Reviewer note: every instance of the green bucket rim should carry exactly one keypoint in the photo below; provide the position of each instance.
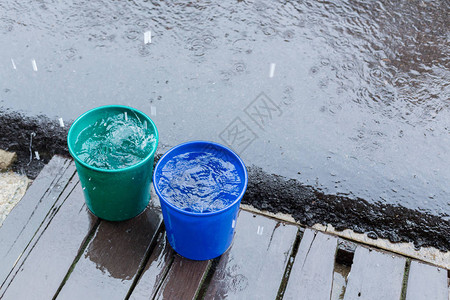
(142, 162)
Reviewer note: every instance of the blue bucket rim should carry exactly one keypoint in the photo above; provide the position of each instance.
(206, 143)
(142, 162)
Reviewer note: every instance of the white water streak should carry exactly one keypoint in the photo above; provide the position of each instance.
(147, 37)
(272, 70)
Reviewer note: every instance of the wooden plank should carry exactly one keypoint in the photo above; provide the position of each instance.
(45, 267)
(109, 264)
(32, 212)
(254, 266)
(426, 282)
(375, 275)
(156, 269)
(312, 272)
(183, 280)
(73, 182)
(164, 272)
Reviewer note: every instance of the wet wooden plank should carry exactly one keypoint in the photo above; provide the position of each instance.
(183, 280)
(73, 182)
(375, 275)
(32, 212)
(156, 269)
(254, 266)
(426, 282)
(312, 272)
(168, 275)
(110, 263)
(44, 268)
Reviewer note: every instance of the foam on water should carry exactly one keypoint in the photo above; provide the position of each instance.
(114, 142)
(199, 182)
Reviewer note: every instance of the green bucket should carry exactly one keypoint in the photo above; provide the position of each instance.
(114, 194)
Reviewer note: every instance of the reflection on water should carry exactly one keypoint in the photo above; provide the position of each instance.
(117, 242)
(363, 85)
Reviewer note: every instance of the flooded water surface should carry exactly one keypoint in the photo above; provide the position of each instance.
(350, 97)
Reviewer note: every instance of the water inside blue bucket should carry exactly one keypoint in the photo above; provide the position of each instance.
(200, 177)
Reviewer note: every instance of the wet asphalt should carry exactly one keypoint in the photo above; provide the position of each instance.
(339, 109)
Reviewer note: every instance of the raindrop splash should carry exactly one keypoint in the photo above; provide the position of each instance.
(199, 182)
(115, 141)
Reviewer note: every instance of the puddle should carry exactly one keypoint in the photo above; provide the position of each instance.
(348, 97)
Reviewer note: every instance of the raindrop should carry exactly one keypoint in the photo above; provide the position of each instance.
(272, 70)
(240, 67)
(288, 99)
(147, 37)
(197, 47)
(269, 31)
(33, 63)
(226, 75)
(348, 65)
(325, 62)
(208, 39)
(376, 73)
(132, 35)
(143, 50)
(340, 90)
(342, 41)
(323, 83)
(70, 53)
(314, 70)
(288, 90)
(141, 24)
(400, 81)
(288, 35)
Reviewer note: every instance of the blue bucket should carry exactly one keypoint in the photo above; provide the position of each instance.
(195, 235)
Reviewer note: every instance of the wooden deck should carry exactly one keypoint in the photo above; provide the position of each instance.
(52, 247)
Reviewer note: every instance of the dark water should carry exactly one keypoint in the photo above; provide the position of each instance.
(351, 97)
